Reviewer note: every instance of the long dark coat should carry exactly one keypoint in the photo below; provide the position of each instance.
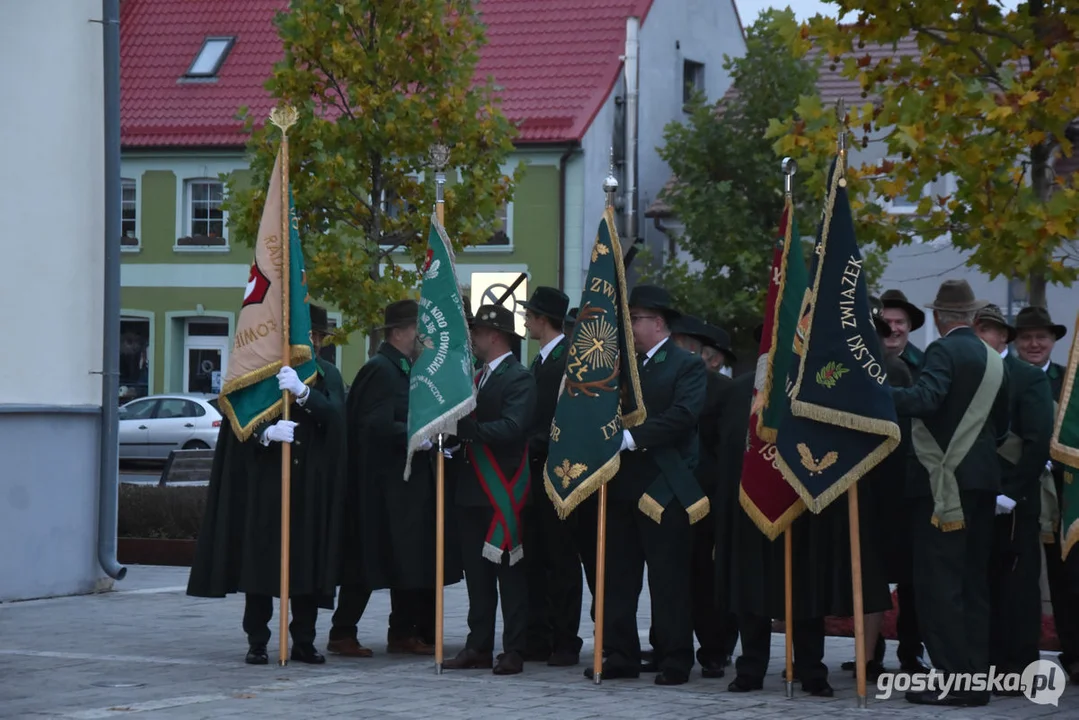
(239, 545)
(389, 536)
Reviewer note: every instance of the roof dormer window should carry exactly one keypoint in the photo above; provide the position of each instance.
(212, 54)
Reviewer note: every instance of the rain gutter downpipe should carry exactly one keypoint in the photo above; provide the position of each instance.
(633, 26)
(108, 472)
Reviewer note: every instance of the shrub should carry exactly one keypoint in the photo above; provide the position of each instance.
(169, 513)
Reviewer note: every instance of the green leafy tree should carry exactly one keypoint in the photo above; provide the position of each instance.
(988, 100)
(377, 83)
(728, 188)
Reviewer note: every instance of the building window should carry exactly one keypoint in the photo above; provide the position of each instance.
(206, 219)
(134, 358)
(692, 79)
(206, 351)
(128, 214)
(501, 238)
(211, 56)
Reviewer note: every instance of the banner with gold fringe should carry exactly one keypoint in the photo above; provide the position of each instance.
(1064, 448)
(250, 395)
(601, 391)
(763, 492)
(842, 421)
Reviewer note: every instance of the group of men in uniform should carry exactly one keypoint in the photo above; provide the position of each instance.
(956, 516)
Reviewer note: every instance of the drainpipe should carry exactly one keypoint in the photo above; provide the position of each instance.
(562, 217)
(109, 471)
(633, 26)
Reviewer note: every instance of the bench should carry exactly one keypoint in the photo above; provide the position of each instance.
(187, 466)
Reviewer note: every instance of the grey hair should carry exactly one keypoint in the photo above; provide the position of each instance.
(949, 318)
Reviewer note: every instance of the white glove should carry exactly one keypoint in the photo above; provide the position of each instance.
(627, 442)
(1049, 465)
(287, 379)
(280, 431)
(1004, 504)
(426, 444)
(448, 452)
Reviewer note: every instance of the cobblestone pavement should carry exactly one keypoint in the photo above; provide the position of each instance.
(148, 650)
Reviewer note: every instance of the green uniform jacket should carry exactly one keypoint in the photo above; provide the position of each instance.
(389, 534)
(239, 546)
(1031, 412)
(944, 389)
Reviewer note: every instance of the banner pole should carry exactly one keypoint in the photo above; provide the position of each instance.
(439, 157)
(852, 493)
(284, 118)
(789, 169)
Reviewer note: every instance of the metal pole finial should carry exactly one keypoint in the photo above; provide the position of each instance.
(439, 155)
(841, 139)
(790, 167)
(610, 183)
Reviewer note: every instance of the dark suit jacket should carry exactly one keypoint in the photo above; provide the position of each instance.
(673, 385)
(954, 366)
(708, 467)
(504, 412)
(1055, 373)
(914, 358)
(1031, 411)
(548, 375)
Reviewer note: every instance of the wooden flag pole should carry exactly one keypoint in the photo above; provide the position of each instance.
(439, 157)
(789, 169)
(610, 186)
(852, 493)
(284, 118)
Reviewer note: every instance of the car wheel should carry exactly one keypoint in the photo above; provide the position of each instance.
(196, 445)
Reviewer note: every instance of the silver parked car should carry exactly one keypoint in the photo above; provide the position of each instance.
(152, 427)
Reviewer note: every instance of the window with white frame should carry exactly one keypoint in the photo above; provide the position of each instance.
(502, 235)
(128, 214)
(940, 186)
(206, 220)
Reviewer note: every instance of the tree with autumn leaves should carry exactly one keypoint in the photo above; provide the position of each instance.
(991, 99)
(377, 83)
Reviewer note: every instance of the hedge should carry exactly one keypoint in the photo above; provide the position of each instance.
(168, 513)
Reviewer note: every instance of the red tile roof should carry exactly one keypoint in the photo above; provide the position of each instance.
(555, 60)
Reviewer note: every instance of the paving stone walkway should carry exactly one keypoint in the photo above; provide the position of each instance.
(146, 650)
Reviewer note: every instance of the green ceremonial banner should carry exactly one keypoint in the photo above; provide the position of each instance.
(1064, 448)
(601, 392)
(249, 394)
(440, 390)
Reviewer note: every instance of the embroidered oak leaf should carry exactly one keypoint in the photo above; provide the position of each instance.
(568, 473)
(661, 356)
(598, 250)
(831, 373)
(814, 466)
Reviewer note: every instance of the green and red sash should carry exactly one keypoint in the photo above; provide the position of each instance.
(507, 498)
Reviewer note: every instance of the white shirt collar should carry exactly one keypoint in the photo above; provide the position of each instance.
(1004, 352)
(496, 362)
(655, 349)
(546, 349)
(1045, 367)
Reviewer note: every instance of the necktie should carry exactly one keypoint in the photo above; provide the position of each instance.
(486, 373)
(537, 361)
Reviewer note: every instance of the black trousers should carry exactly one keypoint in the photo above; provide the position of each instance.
(1065, 599)
(951, 583)
(908, 634)
(487, 583)
(412, 613)
(258, 611)
(1014, 589)
(633, 539)
(555, 586)
(584, 539)
(717, 633)
(756, 634)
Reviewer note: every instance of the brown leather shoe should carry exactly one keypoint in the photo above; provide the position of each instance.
(408, 646)
(470, 660)
(349, 647)
(510, 663)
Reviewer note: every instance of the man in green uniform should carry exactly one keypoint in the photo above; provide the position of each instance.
(1016, 562)
(959, 410)
(492, 490)
(903, 317)
(554, 566)
(654, 499)
(717, 633)
(239, 546)
(1036, 336)
(389, 541)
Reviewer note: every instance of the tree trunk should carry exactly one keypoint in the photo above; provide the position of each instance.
(1036, 285)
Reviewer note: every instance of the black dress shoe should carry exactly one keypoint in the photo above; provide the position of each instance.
(958, 699)
(849, 665)
(743, 684)
(307, 653)
(712, 669)
(256, 655)
(671, 677)
(818, 688)
(510, 663)
(563, 658)
(913, 666)
(649, 666)
(614, 672)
